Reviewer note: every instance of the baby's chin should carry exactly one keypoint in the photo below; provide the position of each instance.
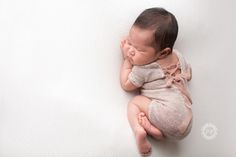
(137, 64)
(133, 62)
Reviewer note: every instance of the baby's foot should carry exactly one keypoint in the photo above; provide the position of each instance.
(143, 145)
(151, 130)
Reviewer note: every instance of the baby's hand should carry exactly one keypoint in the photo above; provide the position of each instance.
(124, 48)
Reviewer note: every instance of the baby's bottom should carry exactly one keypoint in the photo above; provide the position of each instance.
(140, 124)
(174, 120)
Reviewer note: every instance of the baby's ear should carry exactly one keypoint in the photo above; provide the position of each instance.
(165, 52)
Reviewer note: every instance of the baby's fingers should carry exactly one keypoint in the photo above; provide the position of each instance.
(122, 43)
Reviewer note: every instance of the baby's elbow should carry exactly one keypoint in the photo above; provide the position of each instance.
(124, 87)
(128, 87)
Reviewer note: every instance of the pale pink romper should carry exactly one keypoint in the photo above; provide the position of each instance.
(170, 108)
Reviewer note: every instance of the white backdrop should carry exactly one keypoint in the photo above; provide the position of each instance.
(59, 77)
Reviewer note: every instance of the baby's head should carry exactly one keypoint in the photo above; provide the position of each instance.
(152, 36)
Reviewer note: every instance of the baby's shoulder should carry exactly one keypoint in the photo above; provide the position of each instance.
(152, 71)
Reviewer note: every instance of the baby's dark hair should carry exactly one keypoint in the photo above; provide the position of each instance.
(163, 23)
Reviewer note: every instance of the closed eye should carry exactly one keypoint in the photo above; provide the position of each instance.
(138, 49)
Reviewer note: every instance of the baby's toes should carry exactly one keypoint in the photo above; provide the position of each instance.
(141, 120)
(140, 117)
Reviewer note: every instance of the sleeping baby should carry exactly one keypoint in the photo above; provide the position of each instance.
(163, 108)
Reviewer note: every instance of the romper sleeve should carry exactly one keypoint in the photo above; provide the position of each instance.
(136, 76)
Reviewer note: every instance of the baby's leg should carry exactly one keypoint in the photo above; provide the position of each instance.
(136, 105)
(151, 130)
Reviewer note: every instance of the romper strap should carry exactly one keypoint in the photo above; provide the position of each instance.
(177, 79)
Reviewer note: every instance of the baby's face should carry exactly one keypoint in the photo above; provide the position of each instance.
(141, 50)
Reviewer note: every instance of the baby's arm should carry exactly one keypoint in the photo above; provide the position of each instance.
(124, 73)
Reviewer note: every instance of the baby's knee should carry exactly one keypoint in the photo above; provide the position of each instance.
(140, 102)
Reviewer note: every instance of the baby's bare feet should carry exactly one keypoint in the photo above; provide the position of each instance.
(144, 146)
(151, 130)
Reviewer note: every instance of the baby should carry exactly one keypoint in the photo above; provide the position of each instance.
(163, 108)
